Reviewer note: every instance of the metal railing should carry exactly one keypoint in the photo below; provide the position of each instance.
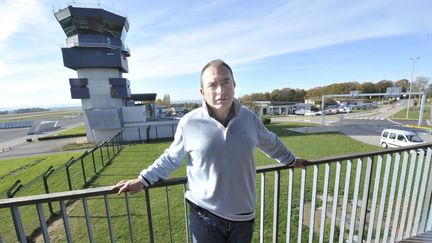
(80, 172)
(383, 196)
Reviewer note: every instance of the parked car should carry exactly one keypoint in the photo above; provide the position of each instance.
(394, 138)
(344, 109)
(299, 112)
(310, 113)
(326, 112)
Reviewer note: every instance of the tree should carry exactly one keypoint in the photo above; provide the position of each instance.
(158, 102)
(166, 100)
(382, 85)
(421, 84)
(368, 87)
(404, 84)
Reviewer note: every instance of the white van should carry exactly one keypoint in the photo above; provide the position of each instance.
(393, 138)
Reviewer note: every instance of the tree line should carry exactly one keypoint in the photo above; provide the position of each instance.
(287, 94)
(23, 110)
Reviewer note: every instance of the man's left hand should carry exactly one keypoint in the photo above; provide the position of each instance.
(299, 163)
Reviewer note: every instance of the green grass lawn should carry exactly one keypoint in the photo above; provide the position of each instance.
(133, 158)
(413, 114)
(34, 166)
(73, 131)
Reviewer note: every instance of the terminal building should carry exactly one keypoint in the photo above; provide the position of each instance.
(95, 49)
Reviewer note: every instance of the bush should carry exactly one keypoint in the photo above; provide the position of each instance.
(266, 120)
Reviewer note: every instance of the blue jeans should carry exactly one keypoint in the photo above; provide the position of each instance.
(209, 228)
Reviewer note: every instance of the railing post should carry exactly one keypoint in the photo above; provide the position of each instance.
(139, 135)
(129, 217)
(262, 208)
(45, 181)
(65, 221)
(113, 146)
(301, 210)
(313, 203)
(42, 222)
(107, 210)
(276, 206)
(68, 164)
(107, 149)
(14, 189)
(186, 214)
(427, 199)
(94, 162)
(83, 169)
(88, 222)
(102, 157)
(19, 229)
(148, 134)
(149, 214)
(365, 200)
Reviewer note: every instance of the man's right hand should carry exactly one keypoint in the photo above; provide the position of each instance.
(131, 186)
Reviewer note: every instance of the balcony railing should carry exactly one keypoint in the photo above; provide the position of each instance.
(381, 196)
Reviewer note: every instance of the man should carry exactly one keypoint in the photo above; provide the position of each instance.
(220, 138)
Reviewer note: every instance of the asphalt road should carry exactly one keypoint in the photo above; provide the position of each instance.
(13, 142)
(365, 126)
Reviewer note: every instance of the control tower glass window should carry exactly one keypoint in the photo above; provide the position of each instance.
(91, 25)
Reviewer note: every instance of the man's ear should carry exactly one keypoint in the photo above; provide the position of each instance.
(201, 91)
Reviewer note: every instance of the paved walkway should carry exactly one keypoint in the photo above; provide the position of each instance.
(19, 146)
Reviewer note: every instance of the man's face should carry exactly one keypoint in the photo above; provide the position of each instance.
(218, 87)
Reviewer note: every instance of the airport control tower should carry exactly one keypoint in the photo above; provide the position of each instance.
(95, 49)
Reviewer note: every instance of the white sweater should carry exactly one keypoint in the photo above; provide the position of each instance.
(221, 168)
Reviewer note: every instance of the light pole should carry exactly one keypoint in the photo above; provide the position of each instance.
(410, 84)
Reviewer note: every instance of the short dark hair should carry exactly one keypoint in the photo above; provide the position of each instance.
(216, 63)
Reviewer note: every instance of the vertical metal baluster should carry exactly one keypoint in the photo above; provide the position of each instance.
(42, 222)
(19, 229)
(345, 201)
(365, 199)
(107, 210)
(384, 194)
(276, 206)
(66, 222)
(289, 206)
(149, 215)
(88, 222)
(169, 213)
(414, 196)
(186, 214)
(129, 217)
(313, 203)
(262, 207)
(301, 213)
(428, 193)
(355, 200)
(374, 198)
(399, 198)
(324, 202)
(407, 195)
(335, 202)
(389, 214)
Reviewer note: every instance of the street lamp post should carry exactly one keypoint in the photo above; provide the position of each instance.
(410, 85)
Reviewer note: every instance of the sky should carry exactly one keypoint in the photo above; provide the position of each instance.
(270, 44)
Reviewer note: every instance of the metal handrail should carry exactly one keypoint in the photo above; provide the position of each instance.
(98, 191)
(410, 166)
